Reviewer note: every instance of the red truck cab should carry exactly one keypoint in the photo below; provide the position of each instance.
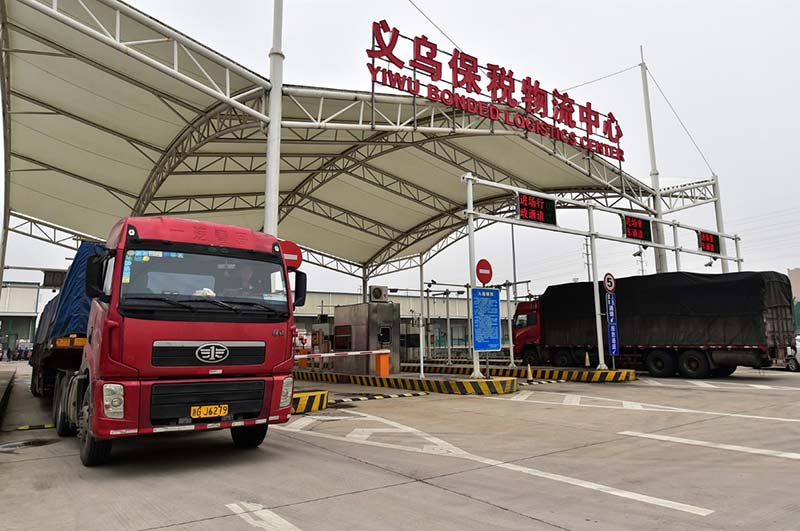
(191, 328)
(528, 331)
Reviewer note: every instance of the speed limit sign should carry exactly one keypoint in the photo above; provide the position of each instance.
(610, 283)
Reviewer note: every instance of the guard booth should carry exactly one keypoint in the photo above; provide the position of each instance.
(366, 326)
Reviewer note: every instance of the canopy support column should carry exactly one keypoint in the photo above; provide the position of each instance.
(720, 222)
(658, 228)
(598, 320)
(272, 184)
(364, 286)
(421, 316)
(468, 178)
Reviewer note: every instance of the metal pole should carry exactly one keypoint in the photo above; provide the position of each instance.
(720, 222)
(428, 346)
(658, 229)
(272, 186)
(510, 326)
(364, 286)
(449, 338)
(598, 321)
(473, 280)
(677, 248)
(739, 260)
(514, 261)
(421, 318)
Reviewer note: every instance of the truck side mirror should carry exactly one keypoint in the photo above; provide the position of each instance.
(300, 282)
(95, 271)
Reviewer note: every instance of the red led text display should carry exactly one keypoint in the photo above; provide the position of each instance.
(458, 80)
(638, 229)
(532, 208)
(708, 242)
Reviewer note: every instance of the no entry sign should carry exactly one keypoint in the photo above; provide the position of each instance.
(483, 270)
(292, 255)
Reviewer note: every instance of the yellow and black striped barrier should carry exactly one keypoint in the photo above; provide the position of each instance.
(491, 386)
(548, 373)
(308, 401)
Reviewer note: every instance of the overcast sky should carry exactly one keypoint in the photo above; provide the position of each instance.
(728, 67)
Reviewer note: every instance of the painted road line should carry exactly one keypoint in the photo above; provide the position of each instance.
(255, 515)
(571, 400)
(718, 446)
(437, 446)
(702, 384)
(522, 395)
(634, 406)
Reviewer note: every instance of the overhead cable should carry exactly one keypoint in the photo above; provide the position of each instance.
(601, 78)
(435, 25)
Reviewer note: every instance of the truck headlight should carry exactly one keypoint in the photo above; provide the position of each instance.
(286, 392)
(113, 401)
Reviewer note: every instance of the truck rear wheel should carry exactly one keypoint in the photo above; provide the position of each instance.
(660, 364)
(93, 451)
(60, 419)
(562, 358)
(248, 436)
(694, 364)
(723, 371)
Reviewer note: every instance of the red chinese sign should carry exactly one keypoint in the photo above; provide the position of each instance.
(522, 104)
(638, 229)
(532, 208)
(708, 242)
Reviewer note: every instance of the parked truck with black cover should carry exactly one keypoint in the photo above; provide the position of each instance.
(698, 325)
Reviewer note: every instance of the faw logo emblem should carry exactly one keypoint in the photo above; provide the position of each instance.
(212, 353)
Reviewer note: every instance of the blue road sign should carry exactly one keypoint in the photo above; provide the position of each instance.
(611, 317)
(486, 319)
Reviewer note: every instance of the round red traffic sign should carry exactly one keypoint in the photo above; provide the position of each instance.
(609, 282)
(292, 255)
(483, 270)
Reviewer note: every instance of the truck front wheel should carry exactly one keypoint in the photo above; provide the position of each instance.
(660, 364)
(248, 436)
(694, 364)
(93, 451)
(530, 356)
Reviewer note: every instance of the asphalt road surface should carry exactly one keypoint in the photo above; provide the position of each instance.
(654, 454)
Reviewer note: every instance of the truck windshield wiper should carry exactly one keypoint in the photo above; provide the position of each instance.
(212, 301)
(173, 302)
(262, 306)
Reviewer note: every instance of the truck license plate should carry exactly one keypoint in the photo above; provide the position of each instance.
(216, 410)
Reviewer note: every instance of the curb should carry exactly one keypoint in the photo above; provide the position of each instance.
(372, 397)
(572, 375)
(308, 401)
(6, 396)
(541, 382)
(493, 386)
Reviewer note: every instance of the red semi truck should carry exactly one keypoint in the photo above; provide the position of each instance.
(190, 327)
(698, 325)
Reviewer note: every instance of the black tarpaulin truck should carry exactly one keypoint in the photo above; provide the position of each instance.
(699, 325)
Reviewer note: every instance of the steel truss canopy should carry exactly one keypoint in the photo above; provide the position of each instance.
(109, 112)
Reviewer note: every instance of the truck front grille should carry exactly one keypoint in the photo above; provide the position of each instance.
(191, 353)
(173, 401)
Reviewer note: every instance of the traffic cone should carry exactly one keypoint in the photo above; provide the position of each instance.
(586, 360)
(530, 374)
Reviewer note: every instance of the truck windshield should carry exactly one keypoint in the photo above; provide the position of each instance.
(203, 282)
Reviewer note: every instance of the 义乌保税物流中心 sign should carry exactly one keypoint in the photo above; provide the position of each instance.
(596, 131)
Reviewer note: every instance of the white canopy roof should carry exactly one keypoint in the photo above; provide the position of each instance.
(109, 112)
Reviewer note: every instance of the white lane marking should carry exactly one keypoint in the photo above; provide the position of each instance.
(571, 400)
(650, 381)
(719, 446)
(644, 407)
(702, 384)
(301, 423)
(522, 395)
(727, 385)
(362, 434)
(631, 405)
(445, 449)
(255, 515)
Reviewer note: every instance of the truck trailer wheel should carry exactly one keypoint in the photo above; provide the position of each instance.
(694, 364)
(723, 371)
(793, 365)
(60, 419)
(93, 451)
(562, 358)
(248, 436)
(660, 364)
